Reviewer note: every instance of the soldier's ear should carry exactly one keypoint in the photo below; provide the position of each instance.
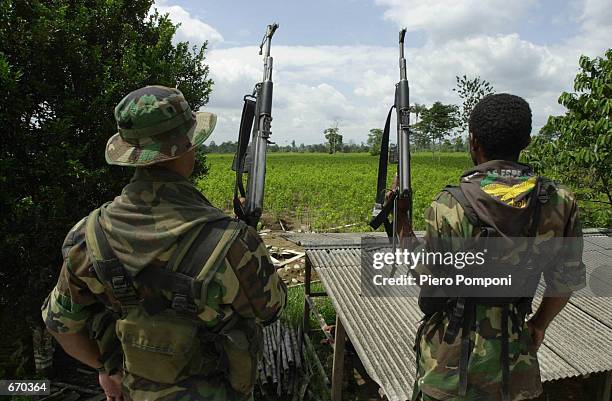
(473, 142)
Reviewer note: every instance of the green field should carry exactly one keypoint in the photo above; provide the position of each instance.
(323, 191)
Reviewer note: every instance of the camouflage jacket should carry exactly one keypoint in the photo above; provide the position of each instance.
(143, 226)
(437, 373)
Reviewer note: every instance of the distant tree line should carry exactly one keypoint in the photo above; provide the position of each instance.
(350, 147)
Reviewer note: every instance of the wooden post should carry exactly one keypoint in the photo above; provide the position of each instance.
(606, 388)
(338, 363)
(307, 278)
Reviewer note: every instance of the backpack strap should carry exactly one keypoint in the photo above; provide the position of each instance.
(457, 193)
(194, 268)
(107, 267)
(202, 251)
(463, 312)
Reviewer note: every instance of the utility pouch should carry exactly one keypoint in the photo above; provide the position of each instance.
(242, 349)
(164, 350)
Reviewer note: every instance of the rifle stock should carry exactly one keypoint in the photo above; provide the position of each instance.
(256, 114)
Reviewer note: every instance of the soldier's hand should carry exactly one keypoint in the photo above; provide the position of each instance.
(111, 386)
(394, 186)
(537, 334)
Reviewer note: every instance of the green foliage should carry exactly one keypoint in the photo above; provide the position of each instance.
(576, 148)
(334, 139)
(419, 140)
(294, 311)
(418, 110)
(459, 145)
(375, 141)
(436, 123)
(64, 65)
(470, 91)
(322, 191)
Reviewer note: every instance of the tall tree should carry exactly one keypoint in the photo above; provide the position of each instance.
(437, 122)
(576, 148)
(64, 66)
(470, 92)
(334, 139)
(417, 109)
(375, 141)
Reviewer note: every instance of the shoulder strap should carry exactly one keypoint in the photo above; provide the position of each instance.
(206, 251)
(202, 247)
(457, 193)
(109, 270)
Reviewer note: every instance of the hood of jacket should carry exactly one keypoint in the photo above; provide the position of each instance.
(503, 194)
(153, 212)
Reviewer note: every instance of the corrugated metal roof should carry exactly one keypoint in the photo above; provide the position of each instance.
(382, 329)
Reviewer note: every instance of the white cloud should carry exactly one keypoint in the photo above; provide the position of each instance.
(355, 84)
(316, 85)
(192, 29)
(443, 20)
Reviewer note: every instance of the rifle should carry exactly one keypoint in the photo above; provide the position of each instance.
(252, 159)
(400, 198)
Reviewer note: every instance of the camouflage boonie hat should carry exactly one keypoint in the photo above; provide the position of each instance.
(156, 124)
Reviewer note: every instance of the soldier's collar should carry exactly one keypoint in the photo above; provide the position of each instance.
(504, 168)
(156, 173)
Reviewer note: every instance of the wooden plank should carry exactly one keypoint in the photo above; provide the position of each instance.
(293, 259)
(338, 363)
(307, 279)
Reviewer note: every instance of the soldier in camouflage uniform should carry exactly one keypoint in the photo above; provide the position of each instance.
(499, 189)
(195, 341)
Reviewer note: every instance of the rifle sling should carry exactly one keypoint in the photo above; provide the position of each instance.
(244, 135)
(383, 161)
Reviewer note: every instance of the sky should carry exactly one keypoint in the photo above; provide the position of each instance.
(337, 60)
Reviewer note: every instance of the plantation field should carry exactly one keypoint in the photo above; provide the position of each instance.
(322, 191)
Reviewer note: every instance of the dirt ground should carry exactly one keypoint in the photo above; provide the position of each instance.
(292, 273)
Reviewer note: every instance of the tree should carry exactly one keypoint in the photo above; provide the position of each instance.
(576, 148)
(334, 139)
(437, 122)
(64, 66)
(418, 139)
(417, 109)
(459, 145)
(470, 91)
(375, 141)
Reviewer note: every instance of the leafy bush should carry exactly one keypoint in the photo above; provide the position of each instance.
(576, 148)
(64, 65)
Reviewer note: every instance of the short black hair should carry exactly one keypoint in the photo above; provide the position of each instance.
(502, 125)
